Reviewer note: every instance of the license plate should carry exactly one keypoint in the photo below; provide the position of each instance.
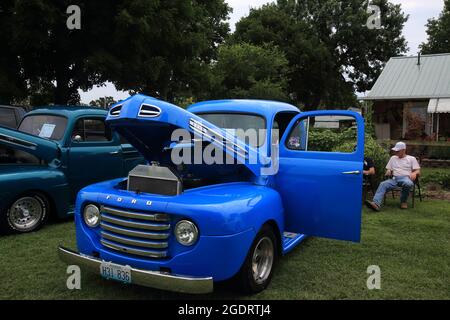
(116, 272)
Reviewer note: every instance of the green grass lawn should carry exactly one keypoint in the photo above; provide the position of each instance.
(411, 247)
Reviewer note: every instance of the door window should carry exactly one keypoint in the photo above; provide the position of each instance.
(334, 133)
(91, 130)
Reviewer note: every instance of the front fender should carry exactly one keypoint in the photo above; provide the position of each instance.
(17, 180)
(228, 217)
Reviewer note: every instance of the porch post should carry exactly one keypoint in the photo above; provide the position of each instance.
(437, 128)
(432, 124)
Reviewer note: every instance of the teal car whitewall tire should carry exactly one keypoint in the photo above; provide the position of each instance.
(27, 213)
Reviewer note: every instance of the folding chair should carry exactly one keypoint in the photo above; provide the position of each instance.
(413, 192)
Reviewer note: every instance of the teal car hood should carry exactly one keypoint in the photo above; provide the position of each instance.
(42, 148)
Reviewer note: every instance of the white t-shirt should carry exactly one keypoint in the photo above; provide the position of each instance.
(402, 167)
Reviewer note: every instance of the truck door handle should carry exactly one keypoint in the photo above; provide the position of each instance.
(352, 172)
(113, 153)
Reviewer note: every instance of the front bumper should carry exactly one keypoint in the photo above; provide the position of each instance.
(153, 279)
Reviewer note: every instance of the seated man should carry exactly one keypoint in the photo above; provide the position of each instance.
(369, 167)
(404, 170)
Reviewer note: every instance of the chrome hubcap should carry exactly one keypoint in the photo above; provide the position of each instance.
(262, 260)
(25, 213)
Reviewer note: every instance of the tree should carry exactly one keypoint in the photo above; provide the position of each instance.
(331, 51)
(438, 31)
(161, 48)
(12, 83)
(248, 71)
(56, 61)
(103, 102)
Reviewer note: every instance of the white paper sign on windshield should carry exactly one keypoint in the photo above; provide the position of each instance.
(47, 130)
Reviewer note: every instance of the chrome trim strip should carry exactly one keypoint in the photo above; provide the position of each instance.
(129, 250)
(352, 172)
(153, 279)
(13, 140)
(147, 113)
(135, 233)
(136, 225)
(133, 242)
(134, 215)
(200, 129)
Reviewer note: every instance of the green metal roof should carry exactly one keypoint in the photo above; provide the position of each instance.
(403, 78)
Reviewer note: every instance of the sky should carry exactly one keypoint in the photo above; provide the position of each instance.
(419, 12)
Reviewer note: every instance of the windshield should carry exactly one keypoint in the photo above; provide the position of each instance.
(249, 128)
(45, 126)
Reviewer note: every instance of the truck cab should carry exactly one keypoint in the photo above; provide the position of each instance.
(53, 154)
(230, 187)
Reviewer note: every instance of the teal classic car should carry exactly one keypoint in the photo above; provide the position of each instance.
(54, 153)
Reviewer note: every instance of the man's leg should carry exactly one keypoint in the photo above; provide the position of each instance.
(384, 187)
(407, 184)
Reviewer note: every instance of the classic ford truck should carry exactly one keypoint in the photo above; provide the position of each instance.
(55, 152)
(182, 225)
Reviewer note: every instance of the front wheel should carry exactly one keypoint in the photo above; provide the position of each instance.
(28, 213)
(257, 270)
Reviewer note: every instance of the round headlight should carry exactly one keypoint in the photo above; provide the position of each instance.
(91, 215)
(186, 233)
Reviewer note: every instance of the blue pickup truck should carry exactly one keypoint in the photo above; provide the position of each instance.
(54, 153)
(182, 225)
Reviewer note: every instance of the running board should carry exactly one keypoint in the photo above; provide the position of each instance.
(291, 240)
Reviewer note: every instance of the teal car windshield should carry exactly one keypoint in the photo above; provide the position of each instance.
(239, 121)
(45, 126)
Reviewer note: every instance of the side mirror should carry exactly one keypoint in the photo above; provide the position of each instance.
(77, 138)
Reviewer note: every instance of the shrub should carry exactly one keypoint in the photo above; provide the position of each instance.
(441, 178)
(438, 152)
(368, 118)
(327, 140)
(323, 140)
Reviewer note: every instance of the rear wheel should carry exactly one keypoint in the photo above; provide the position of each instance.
(257, 270)
(26, 214)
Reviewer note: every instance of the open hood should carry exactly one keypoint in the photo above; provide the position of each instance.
(148, 123)
(42, 148)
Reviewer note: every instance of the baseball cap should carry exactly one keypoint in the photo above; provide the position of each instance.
(399, 146)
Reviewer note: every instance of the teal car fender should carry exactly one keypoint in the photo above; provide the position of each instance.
(52, 183)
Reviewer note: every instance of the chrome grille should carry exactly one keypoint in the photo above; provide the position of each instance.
(135, 233)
